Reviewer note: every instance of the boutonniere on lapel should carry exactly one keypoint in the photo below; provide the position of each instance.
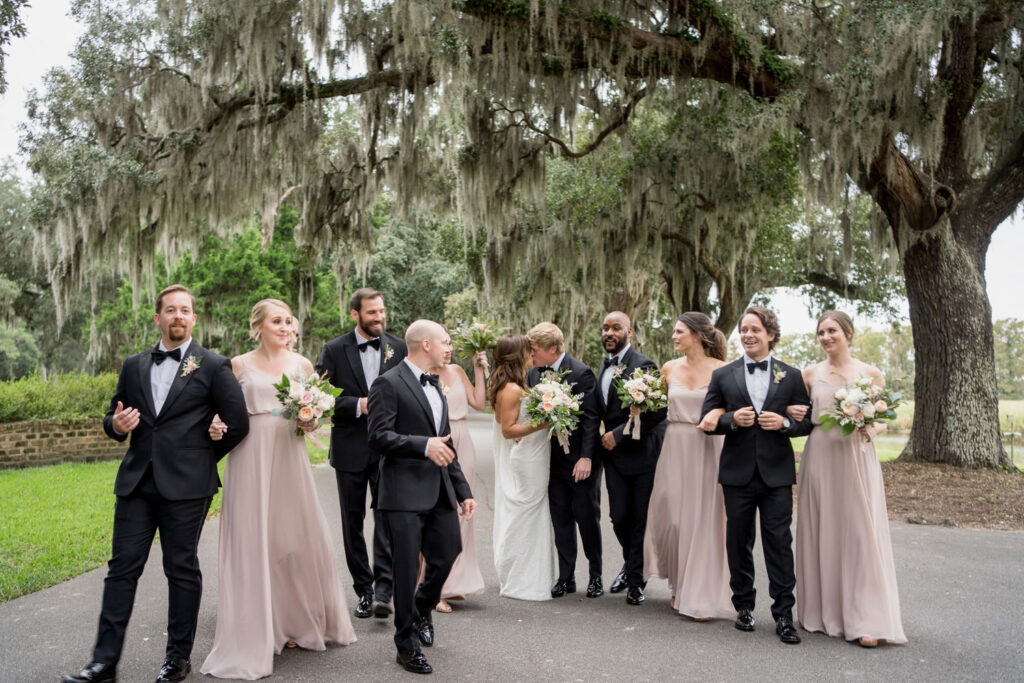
(389, 353)
(443, 387)
(190, 365)
(618, 371)
(779, 373)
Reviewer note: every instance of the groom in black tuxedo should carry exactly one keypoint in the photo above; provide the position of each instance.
(574, 487)
(165, 399)
(421, 487)
(352, 362)
(757, 470)
(629, 462)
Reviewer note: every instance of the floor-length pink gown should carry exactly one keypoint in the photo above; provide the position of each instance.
(845, 574)
(465, 577)
(685, 537)
(277, 579)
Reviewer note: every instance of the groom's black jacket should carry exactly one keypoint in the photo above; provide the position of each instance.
(631, 456)
(583, 438)
(401, 422)
(744, 446)
(177, 442)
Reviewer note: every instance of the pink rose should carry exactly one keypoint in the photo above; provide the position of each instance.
(638, 396)
(306, 414)
(547, 406)
(318, 411)
(880, 406)
(306, 398)
(850, 409)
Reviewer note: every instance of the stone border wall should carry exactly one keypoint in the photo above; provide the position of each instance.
(47, 442)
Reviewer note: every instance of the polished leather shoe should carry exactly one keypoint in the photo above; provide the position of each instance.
(95, 672)
(787, 632)
(619, 584)
(562, 587)
(381, 608)
(595, 588)
(635, 595)
(414, 662)
(174, 669)
(424, 631)
(744, 620)
(365, 607)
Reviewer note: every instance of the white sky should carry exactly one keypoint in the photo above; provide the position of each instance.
(51, 35)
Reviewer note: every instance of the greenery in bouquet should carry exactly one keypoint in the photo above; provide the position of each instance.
(469, 340)
(306, 399)
(551, 401)
(644, 390)
(859, 404)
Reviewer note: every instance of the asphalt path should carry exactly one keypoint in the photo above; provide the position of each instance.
(962, 595)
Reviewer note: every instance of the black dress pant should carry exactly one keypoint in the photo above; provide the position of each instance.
(628, 498)
(775, 506)
(352, 487)
(137, 518)
(576, 504)
(435, 534)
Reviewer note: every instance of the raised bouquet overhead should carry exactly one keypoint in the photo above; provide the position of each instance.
(478, 337)
(305, 399)
(859, 404)
(553, 402)
(644, 389)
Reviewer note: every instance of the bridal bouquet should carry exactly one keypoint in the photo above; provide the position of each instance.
(306, 399)
(470, 340)
(644, 389)
(855, 406)
(552, 401)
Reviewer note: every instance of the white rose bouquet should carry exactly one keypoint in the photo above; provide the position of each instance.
(645, 391)
(552, 401)
(306, 399)
(857, 405)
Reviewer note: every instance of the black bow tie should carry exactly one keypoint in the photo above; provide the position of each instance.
(763, 365)
(375, 343)
(160, 356)
(544, 368)
(428, 377)
(608, 362)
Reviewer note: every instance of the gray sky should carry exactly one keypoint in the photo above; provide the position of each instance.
(51, 34)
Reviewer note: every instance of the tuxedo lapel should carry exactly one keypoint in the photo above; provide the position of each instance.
(384, 346)
(352, 353)
(405, 372)
(179, 382)
(145, 384)
(773, 386)
(741, 382)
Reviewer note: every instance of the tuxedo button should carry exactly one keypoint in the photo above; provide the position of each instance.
(156, 429)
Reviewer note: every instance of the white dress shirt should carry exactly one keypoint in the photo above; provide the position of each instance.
(161, 377)
(370, 359)
(757, 381)
(433, 396)
(609, 372)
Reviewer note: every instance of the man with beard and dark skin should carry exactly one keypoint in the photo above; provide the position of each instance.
(422, 488)
(165, 399)
(352, 362)
(757, 470)
(574, 487)
(629, 462)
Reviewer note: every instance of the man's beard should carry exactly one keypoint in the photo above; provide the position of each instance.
(619, 345)
(374, 328)
(177, 333)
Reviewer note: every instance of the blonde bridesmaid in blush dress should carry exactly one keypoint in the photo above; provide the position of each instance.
(846, 576)
(277, 583)
(685, 537)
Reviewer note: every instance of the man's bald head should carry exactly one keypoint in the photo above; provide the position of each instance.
(616, 331)
(427, 343)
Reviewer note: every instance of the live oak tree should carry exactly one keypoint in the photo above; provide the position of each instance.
(179, 117)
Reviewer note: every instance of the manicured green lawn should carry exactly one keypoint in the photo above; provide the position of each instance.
(56, 522)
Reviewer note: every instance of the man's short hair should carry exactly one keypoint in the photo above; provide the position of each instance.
(769, 321)
(356, 302)
(170, 290)
(546, 336)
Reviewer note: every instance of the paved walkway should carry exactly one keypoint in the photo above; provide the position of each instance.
(962, 594)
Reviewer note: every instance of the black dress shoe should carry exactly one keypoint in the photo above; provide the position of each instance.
(95, 672)
(414, 662)
(562, 587)
(619, 584)
(424, 631)
(595, 588)
(174, 669)
(744, 620)
(787, 632)
(363, 609)
(381, 608)
(635, 595)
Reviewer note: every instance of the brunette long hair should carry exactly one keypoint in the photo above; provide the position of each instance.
(711, 338)
(509, 364)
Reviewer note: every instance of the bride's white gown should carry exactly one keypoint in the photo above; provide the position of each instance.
(524, 540)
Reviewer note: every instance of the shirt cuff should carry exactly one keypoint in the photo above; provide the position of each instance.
(358, 408)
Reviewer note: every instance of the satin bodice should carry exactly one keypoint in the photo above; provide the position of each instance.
(458, 402)
(258, 389)
(684, 405)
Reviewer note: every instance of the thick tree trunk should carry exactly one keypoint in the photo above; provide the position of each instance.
(956, 413)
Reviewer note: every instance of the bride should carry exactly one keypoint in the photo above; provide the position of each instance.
(524, 542)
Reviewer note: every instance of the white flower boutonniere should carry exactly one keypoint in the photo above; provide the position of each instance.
(190, 365)
(779, 375)
(389, 353)
(443, 387)
(618, 371)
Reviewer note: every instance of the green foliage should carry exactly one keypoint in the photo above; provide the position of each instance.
(59, 397)
(19, 353)
(1009, 356)
(11, 26)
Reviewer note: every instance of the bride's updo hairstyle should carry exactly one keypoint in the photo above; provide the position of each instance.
(711, 338)
(510, 356)
(844, 321)
(259, 314)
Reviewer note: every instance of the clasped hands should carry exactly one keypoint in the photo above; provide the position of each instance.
(747, 416)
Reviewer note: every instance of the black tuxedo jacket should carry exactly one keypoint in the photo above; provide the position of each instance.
(340, 360)
(582, 440)
(400, 424)
(177, 442)
(744, 447)
(630, 456)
